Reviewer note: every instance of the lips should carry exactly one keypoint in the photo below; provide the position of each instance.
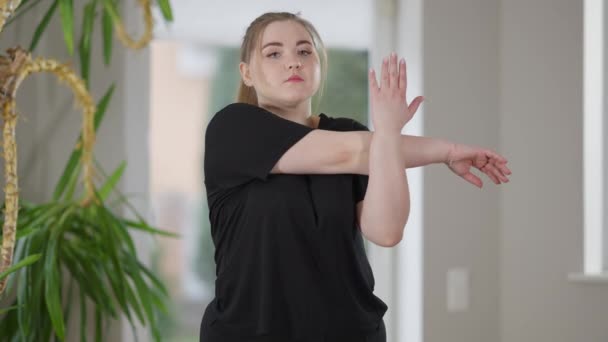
(295, 78)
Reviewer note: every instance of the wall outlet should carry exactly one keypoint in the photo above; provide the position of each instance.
(458, 286)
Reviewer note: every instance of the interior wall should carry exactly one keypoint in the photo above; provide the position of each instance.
(461, 221)
(542, 213)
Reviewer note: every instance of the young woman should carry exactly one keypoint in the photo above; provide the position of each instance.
(291, 194)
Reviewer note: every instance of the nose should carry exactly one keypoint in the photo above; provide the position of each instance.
(295, 64)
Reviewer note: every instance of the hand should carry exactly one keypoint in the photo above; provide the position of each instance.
(390, 111)
(461, 158)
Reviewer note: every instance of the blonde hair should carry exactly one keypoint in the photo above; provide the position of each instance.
(252, 40)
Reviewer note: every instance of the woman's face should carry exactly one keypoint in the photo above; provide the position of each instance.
(286, 50)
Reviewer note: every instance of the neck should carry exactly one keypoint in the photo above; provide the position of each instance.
(300, 113)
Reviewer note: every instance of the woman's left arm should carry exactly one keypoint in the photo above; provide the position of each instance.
(421, 151)
(383, 213)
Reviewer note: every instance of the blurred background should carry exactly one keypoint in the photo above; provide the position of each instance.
(525, 261)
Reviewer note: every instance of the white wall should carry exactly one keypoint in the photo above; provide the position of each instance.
(542, 215)
(197, 21)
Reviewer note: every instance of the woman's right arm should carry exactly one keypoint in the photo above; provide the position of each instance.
(348, 152)
(319, 152)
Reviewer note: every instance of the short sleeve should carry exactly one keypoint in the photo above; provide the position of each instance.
(243, 142)
(359, 181)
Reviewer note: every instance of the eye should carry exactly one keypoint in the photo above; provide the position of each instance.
(305, 52)
(272, 54)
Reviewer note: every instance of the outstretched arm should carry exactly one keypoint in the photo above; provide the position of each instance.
(421, 151)
(416, 150)
(383, 213)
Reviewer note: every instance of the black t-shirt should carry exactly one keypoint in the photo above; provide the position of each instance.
(289, 254)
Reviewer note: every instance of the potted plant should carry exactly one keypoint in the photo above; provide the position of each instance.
(76, 248)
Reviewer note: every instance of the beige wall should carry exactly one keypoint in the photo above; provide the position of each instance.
(461, 222)
(542, 214)
(508, 75)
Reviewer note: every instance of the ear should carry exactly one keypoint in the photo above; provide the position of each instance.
(245, 73)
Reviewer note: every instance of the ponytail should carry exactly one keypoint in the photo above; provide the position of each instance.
(246, 94)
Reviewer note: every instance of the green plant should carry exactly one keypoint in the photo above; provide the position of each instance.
(75, 249)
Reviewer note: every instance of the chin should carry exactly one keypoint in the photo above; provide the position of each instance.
(299, 95)
(295, 99)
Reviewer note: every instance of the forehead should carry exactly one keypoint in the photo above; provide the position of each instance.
(287, 32)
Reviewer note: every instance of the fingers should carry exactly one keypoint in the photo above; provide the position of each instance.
(402, 77)
(497, 165)
(503, 168)
(413, 107)
(496, 156)
(373, 82)
(393, 72)
(493, 165)
(492, 168)
(471, 178)
(384, 75)
(494, 173)
(488, 171)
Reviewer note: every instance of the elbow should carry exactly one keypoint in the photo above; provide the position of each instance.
(386, 237)
(391, 240)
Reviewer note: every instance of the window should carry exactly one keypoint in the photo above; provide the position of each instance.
(594, 134)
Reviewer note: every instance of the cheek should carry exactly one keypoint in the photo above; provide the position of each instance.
(269, 75)
(317, 76)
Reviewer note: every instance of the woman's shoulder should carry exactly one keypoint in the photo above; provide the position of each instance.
(236, 113)
(341, 123)
(237, 108)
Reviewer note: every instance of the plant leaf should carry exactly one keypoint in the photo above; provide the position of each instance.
(51, 290)
(107, 188)
(142, 225)
(153, 278)
(68, 304)
(52, 279)
(23, 290)
(165, 8)
(132, 298)
(34, 288)
(88, 19)
(74, 160)
(120, 229)
(71, 187)
(98, 325)
(42, 25)
(66, 11)
(6, 310)
(111, 10)
(82, 268)
(44, 216)
(108, 32)
(23, 263)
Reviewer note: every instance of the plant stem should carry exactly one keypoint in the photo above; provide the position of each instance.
(18, 14)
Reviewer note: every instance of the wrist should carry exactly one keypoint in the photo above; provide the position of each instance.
(387, 134)
(448, 152)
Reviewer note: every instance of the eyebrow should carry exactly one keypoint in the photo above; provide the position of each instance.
(281, 44)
